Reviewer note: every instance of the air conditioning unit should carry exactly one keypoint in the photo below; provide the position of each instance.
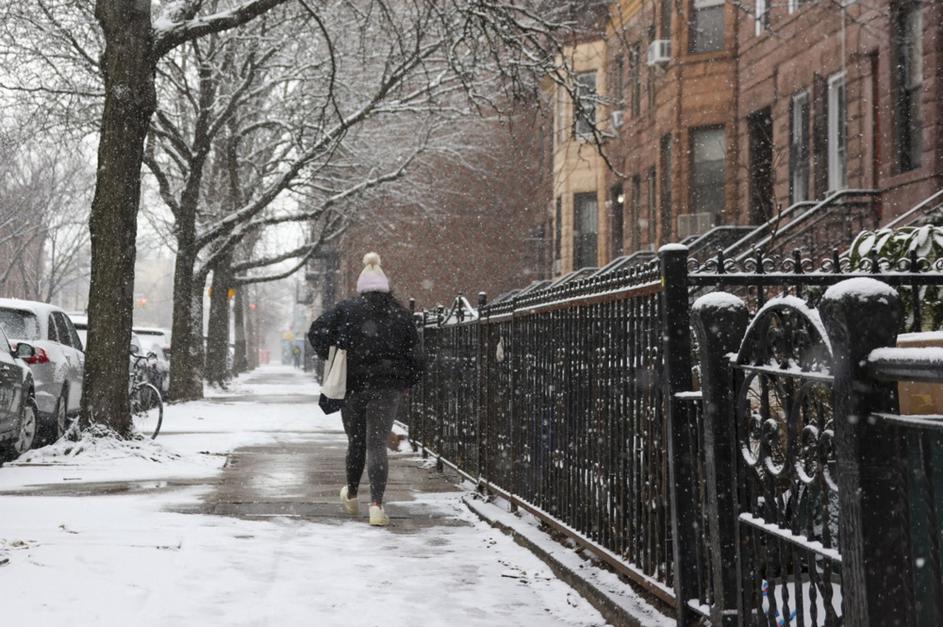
(694, 224)
(659, 52)
(618, 118)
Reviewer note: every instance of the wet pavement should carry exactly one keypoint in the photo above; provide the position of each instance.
(298, 476)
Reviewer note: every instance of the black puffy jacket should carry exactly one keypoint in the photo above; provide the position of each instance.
(380, 338)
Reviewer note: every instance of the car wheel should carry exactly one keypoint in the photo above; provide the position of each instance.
(26, 435)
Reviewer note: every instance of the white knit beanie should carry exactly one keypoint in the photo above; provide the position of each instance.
(372, 278)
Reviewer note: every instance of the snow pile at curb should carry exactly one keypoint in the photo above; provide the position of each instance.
(99, 444)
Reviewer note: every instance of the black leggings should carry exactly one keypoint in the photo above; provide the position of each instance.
(368, 417)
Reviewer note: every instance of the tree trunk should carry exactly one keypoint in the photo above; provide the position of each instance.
(182, 339)
(217, 334)
(241, 360)
(198, 346)
(130, 100)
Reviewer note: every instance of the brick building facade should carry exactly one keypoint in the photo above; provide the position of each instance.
(723, 112)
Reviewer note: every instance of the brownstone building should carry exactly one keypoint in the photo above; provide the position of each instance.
(726, 112)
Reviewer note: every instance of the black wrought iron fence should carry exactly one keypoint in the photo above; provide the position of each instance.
(720, 493)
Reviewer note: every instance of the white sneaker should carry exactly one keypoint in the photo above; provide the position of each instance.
(378, 517)
(351, 505)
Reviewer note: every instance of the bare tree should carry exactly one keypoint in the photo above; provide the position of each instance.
(368, 59)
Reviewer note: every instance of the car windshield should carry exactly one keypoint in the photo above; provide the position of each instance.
(19, 324)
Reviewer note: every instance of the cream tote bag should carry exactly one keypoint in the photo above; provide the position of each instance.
(334, 381)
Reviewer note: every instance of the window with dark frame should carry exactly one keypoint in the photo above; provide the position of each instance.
(617, 222)
(708, 153)
(652, 206)
(636, 216)
(799, 147)
(907, 40)
(635, 78)
(665, 23)
(585, 230)
(651, 92)
(558, 230)
(617, 83)
(664, 159)
(587, 95)
(706, 26)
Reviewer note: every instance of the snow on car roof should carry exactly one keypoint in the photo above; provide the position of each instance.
(37, 308)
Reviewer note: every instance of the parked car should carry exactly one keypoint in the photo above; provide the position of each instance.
(57, 364)
(153, 337)
(156, 342)
(17, 399)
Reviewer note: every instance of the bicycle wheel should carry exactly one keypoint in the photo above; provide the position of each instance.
(147, 408)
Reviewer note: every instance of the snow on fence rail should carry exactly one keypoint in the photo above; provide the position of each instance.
(577, 401)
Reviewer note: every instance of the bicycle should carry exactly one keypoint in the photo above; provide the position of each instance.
(144, 395)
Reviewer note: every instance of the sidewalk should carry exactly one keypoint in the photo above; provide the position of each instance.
(232, 519)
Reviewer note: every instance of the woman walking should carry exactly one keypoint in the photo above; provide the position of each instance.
(383, 361)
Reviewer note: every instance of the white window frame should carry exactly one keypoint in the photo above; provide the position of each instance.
(837, 153)
(761, 16)
(800, 100)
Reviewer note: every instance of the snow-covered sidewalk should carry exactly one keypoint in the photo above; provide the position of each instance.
(116, 535)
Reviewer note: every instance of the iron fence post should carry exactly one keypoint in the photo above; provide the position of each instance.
(861, 315)
(682, 449)
(719, 326)
(481, 375)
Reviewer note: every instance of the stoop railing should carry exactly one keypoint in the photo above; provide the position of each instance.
(710, 467)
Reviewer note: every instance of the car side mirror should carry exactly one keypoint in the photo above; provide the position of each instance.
(24, 351)
(135, 350)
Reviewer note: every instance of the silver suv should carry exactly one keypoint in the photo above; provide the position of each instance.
(58, 362)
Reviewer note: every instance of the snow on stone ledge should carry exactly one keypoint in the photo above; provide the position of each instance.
(668, 248)
(859, 286)
(718, 300)
(923, 357)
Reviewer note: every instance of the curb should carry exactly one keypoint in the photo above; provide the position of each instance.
(621, 607)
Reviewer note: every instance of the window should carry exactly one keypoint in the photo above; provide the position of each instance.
(4, 343)
(795, 4)
(558, 229)
(585, 230)
(62, 330)
(666, 9)
(561, 115)
(52, 332)
(635, 78)
(761, 17)
(837, 139)
(651, 92)
(799, 148)
(706, 26)
(19, 324)
(908, 52)
(617, 223)
(636, 216)
(650, 221)
(708, 151)
(617, 83)
(586, 93)
(665, 164)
